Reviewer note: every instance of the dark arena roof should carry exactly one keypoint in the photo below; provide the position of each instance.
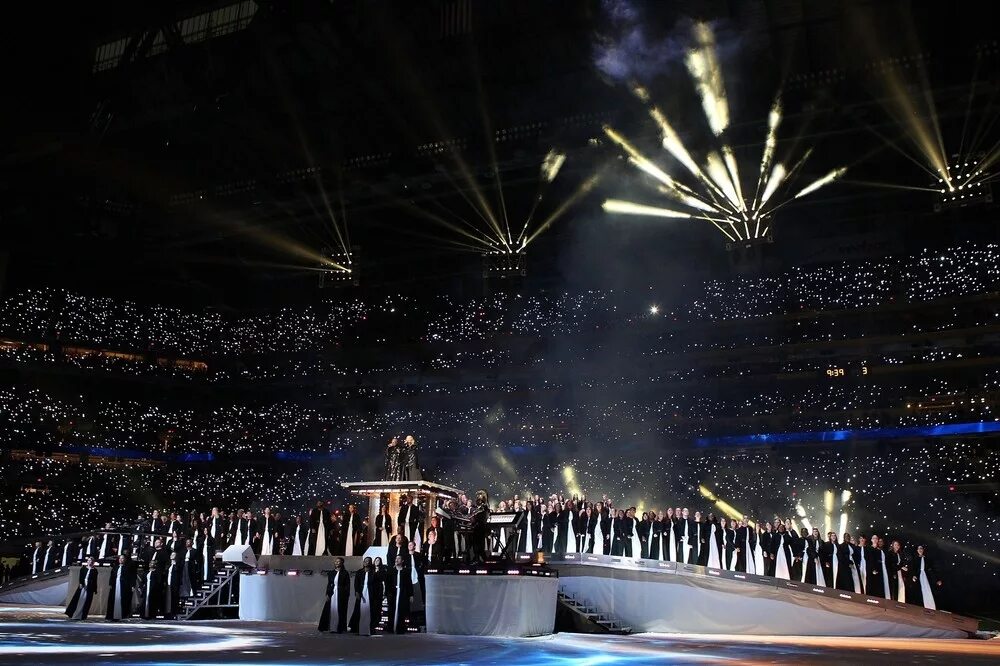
(737, 254)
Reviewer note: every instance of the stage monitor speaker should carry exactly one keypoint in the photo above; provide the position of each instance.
(241, 556)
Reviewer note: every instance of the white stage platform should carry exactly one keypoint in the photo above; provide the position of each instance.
(652, 596)
(491, 605)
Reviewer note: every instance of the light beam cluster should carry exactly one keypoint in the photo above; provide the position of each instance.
(713, 190)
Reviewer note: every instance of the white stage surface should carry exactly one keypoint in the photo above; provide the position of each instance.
(652, 596)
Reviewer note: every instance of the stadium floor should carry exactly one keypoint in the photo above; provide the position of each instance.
(44, 636)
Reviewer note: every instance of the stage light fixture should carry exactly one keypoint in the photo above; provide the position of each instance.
(505, 264)
(339, 267)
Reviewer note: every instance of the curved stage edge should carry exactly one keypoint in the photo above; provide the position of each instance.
(667, 597)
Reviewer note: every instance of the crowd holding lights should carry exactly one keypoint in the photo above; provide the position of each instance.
(507, 399)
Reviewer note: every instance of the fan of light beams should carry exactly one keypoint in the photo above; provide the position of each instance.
(714, 191)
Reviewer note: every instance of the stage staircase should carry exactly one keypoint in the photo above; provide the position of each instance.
(218, 598)
(598, 621)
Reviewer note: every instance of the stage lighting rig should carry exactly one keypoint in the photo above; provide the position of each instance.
(339, 268)
(965, 184)
(504, 264)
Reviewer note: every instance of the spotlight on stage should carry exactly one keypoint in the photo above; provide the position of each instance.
(504, 264)
(339, 267)
(965, 184)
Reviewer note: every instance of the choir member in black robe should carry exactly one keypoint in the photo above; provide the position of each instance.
(851, 552)
(268, 528)
(730, 545)
(765, 538)
(872, 564)
(206, 555)
(366, 583)
(433, 551)
(381, 573)
(746, 542)
(686, 537)
(408, 520)
(417, 566)
(161, 554)
(69, 551)
(155, 583)
(38, 558)
(216, 525)
(530, 522)
(779, 553)
(655, 534)
(618, 537)
(319, 527)
(49, 560)
(564, 523)
(408, 458)
(549, 521)
(644, 529)
(338, 595)
(191, 573)
(812, 567)
(606, 533)
(121, 582)
(398, 546)
(172, 587)
(79, 605)
(898, 566)
(393, 460)
(297, 536)
(350, 532)
(798, 543)
(383, 527)
(832, 557)
(923, 580)
(398, 589)
(710, 548)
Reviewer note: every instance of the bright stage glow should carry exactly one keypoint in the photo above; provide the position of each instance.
(629, 208)
(187, 637)
(654, 309)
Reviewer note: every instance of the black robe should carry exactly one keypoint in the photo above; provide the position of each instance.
(745, 555)
(874, 576)
(342, 588)
(729, 549)
(643, 528)
(433, 553)
(798, 545)
(692, 531)
(914, 591)
(548, 524)
(395, 550)
(153, 603)
(408, 521)
(84, 595)
(766, 544)
(380, 528)
(316, 518)
(398, 589)
(620, 543)
(655, 537)
(378, 595)
(811, 550)
(527, 539)
(355, 520)
(894, 563)
(372, 593)
(827, 553)
(172, 579)
(563, 522)
(774, 544)
(128, 583)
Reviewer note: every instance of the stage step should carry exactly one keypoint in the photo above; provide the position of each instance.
(601, 621)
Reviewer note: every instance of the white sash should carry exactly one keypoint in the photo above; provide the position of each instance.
(365, 615)
(714, 559)
(599, 538)
(297, 546)
(267, 546)
(349, 541)
(119, 611)
(335, 605)
(780, 561)
(925, 588)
